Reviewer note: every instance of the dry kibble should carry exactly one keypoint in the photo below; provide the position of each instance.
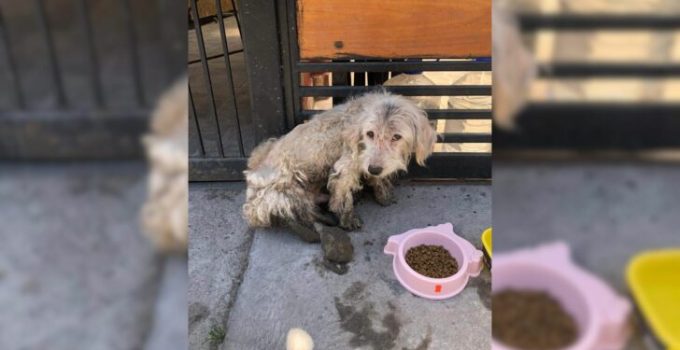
(431, 261)
(531, 320)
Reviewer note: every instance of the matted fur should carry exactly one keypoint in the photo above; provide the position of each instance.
(164, 215)
(333, 151)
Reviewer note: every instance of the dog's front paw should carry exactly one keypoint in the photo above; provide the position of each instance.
(351, 222)
(383, 193)
(385, 199)
(307, 234)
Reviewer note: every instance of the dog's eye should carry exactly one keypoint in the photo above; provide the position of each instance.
(396, 137)
(370, 134)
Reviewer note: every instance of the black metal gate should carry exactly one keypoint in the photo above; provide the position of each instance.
(78, 78)
(222, 137)
(236, 97)
(586, 126)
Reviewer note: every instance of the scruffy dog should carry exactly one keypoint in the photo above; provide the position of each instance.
(366, 140)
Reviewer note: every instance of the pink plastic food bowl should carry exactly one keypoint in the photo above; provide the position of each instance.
(469, 261)
(600, 313)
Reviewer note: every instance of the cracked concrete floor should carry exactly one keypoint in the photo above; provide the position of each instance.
(257, 284)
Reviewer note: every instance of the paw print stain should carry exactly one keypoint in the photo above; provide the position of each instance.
(357, 317)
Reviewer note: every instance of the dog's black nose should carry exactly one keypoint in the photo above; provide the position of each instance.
(375, 170)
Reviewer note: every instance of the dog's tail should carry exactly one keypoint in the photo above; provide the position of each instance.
(260, 153)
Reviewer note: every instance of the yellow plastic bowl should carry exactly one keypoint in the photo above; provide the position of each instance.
(487, 241)
(654, 279)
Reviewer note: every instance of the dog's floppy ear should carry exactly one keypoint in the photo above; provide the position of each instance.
(425, 137)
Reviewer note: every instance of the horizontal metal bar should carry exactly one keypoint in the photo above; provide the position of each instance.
(583, 70)
(463, 165)
(424, 90)
(609, 109)
(216, 169)
(433, 114)
(597, 21)
(99, 135)
(464, 137)
(216, 56)
(426, 66)
(458, 114)
(593, 126)
(225, 14)
(66, 115)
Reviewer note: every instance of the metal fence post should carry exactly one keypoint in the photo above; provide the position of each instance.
(259, 25)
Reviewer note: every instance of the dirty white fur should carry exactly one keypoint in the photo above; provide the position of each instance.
(335, 151)
(164, 215)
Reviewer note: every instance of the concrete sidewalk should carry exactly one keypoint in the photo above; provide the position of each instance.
(75, 270)
(256, 285)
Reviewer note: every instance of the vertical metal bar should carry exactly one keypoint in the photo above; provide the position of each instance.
(389, 74)
(192, 112)
(172, 27)
(263, 56)
(93, 61)
(287, 64)
(135, 60)
(51, 52)
(295, 58)
(236, 15)
(340, 79)
(206, 70)
(376, 78)
(163, 26)
(11, 65)
(230, 79)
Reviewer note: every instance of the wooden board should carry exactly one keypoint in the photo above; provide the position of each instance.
(394, 29)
